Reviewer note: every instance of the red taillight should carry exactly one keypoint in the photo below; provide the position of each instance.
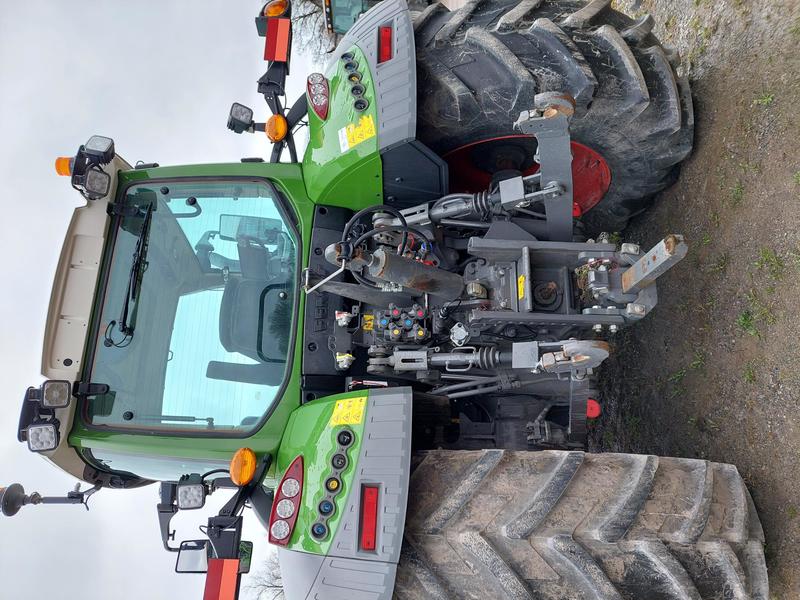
(278, 39)
(286, 504)
(318, 94)
(593, 409)
(384, 43)
(369, 517)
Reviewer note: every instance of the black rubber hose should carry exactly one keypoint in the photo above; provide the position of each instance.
(372, 209)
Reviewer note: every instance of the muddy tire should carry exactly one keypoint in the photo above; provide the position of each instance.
(480, 66)
(495, 524)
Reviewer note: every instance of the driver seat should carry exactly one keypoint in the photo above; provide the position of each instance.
(239, 316)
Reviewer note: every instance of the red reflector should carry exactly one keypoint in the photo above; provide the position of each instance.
(384, 43)
(593, 409)
(278, 40)
(369, 517)
(222, 579)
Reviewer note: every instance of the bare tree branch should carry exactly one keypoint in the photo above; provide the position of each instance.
(311, 36)
(266, 583)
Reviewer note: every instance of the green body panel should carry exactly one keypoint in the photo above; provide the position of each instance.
(309, 434)
(288, 178)
(353, 180)
(353, 177)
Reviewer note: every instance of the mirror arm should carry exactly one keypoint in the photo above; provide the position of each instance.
(167, 510)
(205, 241)
(225, 533)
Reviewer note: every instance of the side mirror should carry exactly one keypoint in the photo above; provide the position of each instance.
(262, 229)
(12, 498)
(193, 556)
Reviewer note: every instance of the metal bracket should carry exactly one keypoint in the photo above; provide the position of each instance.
(550, 124)
(660, 259)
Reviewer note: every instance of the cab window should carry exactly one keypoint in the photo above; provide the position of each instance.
(195, 337)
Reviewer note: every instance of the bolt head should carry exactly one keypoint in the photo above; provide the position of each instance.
(598, 327)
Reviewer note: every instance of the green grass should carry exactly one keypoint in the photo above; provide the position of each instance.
(706, 239)
(677, 391)
(760, 310)
(699, 361)
(769, 260)
(677, 376)
(749, 373)
(747, 322)
(720, 265)
(796, 177)
(791, 512)
(737, 194)
(751, 167)
(765, 99)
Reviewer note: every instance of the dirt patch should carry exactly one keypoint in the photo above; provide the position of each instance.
(715, 371)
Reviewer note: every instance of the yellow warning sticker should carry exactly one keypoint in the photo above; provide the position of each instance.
(520, 287)
(368, 322)
(348, 412)
(354, 133)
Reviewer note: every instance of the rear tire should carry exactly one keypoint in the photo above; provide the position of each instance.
(480, 66)
(555, 525)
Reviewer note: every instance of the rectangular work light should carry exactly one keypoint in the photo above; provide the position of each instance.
(96, 183)
(55, 394)
(42, 437)
(240, 118)
(191, 493)
(100, 148)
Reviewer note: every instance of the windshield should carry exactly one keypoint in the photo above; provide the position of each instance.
(209, 309)
(346, 12)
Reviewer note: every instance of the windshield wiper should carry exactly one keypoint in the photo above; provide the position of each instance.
(127, 320)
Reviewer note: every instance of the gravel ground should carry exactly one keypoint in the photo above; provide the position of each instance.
(714, 372)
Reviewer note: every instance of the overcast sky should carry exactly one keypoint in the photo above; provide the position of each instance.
(159, 77)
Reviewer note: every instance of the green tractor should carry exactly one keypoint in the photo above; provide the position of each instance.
(389, 350)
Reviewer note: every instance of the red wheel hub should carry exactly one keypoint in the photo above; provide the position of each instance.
(471, 167)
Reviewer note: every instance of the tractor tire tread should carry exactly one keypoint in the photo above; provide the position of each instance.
(551, 525)
(632, 106)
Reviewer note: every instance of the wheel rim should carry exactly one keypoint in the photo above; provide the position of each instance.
(472, 166)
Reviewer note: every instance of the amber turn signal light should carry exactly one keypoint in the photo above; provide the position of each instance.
(276, 8)
(243, 466)
(276, 128)
(64, 165)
